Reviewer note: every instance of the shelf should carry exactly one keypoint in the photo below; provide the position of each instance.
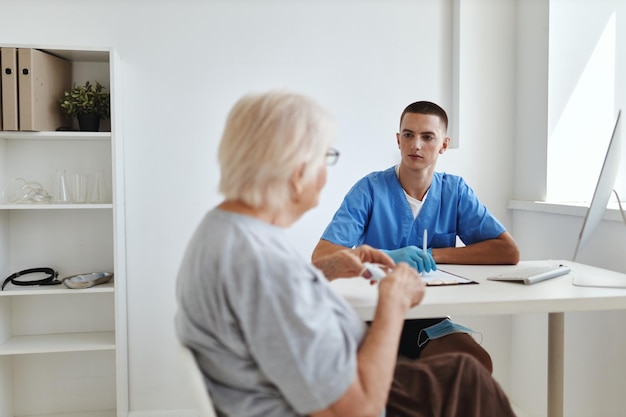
(103, 413)
(81, 55)
(73, 337)
(46, 206)
(54, 343)
(11, 290)
(67, 135)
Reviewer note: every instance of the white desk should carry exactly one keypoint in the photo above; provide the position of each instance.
(554, 296)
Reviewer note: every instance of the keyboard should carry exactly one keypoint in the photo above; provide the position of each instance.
(532, 274)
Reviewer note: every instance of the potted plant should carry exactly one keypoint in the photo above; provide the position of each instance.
(89, 103)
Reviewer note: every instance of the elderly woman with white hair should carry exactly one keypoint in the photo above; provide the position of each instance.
(270, 335)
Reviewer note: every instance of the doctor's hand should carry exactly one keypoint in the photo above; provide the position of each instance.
(415, 257)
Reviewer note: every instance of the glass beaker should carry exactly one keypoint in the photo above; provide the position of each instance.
(61, 188)
(80, 187)
(98, 192)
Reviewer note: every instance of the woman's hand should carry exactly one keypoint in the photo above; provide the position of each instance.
(403, 286)
(349, 262)
(400, 290)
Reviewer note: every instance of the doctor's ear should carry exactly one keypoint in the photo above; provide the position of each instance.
(444, 146)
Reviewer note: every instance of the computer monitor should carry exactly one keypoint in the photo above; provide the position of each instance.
(604, 187)
(601, 195)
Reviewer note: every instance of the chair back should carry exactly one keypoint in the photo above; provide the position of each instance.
(196, 382)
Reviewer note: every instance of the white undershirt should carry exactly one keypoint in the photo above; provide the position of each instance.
(414, 203)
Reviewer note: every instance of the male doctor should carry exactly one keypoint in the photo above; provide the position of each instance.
(391, 210)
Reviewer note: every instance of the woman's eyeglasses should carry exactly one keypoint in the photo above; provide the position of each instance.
(332, 156)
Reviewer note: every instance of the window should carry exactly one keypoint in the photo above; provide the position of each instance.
(587, 75)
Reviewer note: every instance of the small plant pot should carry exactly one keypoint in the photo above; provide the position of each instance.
(88, 122)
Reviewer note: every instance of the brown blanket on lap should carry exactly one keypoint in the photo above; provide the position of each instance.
(447, 385)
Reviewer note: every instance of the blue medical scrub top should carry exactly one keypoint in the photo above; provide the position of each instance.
(375, 212)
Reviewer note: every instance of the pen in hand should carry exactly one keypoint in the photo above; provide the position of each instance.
(425, 246)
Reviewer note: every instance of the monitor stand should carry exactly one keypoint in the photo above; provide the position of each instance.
(609, 279)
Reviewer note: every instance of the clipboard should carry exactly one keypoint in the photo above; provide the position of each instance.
(441, 277)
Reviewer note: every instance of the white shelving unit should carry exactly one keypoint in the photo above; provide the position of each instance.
(63, 351)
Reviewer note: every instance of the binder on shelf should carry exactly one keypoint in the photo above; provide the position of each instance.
(8, 57)
(42, 79)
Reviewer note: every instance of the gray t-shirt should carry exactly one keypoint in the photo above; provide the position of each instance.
(271, 336)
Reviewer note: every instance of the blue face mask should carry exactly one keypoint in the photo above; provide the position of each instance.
(443, 328)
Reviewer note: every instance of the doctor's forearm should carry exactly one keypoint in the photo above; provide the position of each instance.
(324, 248)
(499, 251)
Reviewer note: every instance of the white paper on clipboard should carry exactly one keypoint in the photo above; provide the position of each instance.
(441, 277)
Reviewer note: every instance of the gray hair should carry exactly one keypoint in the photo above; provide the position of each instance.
(266, 138)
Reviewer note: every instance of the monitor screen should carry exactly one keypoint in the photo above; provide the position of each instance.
(604, 187)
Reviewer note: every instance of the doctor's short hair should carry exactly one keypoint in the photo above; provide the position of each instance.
(266, 138)
(427, 107)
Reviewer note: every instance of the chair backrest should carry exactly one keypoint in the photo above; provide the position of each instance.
(196, 383)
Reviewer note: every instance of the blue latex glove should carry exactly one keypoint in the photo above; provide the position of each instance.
(414, 256)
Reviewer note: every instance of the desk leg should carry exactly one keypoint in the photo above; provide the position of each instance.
(556, 345)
